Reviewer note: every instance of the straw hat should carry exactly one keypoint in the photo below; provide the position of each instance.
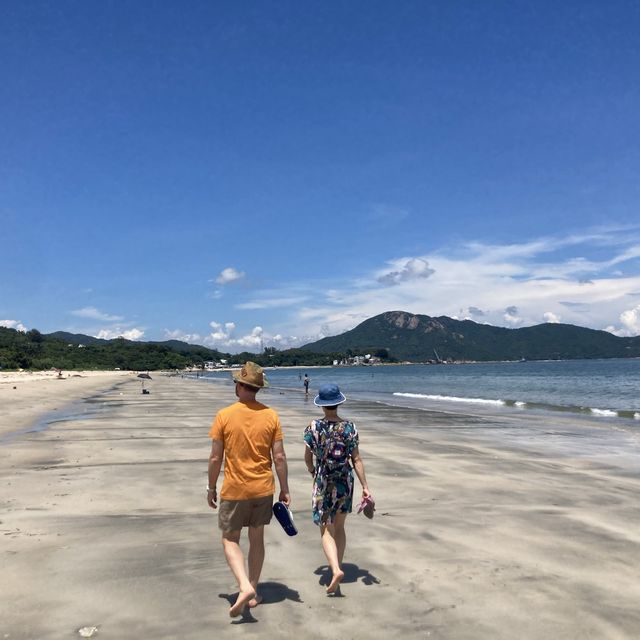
(252, 375)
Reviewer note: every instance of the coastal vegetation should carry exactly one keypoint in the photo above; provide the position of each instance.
(37, 351)
(389, 337)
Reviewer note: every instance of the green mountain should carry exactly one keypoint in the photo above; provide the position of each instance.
(420, 338)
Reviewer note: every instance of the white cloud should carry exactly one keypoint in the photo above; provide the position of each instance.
(177, 334)
(511, 316)
(252, 340)
(412, 269)
(128, 334)
(95, 314)
(558, 277)
(229, 275)
(630, 319)
(221, 332)
(222, 337)
(13, 324)
(576, 279)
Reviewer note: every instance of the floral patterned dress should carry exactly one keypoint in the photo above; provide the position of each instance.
(332, 444)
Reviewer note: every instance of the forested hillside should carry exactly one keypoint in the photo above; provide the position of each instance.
(420, 338)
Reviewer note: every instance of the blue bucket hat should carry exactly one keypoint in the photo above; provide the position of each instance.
(329, 395)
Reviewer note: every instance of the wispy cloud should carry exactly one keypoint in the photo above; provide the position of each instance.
(272, 303)
(95, 314)
(387, 214)
(116, 325)
(575, 279)
(568, 279)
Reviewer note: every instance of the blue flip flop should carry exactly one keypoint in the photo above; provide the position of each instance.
(285, 518)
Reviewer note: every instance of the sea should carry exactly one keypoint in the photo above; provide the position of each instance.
(605, 390)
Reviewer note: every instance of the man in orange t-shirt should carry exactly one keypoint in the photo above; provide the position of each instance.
(248, 436)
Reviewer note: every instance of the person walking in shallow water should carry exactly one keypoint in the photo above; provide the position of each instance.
(331, 455)
(248, 436)
(305, 382)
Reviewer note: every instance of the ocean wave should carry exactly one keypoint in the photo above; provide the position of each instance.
(521, 405)
(604, 413)
(423, 396)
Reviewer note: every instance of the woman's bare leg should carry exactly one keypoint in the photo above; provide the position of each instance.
(330, 548)
(340, 535)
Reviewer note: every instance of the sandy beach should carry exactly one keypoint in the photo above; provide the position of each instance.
(483, 531)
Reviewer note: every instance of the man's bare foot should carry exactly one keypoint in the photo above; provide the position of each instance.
(241, 602)
(254, 602)
(335, 581)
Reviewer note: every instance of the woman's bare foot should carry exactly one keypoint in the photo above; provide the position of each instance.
(243, 599)
(254, 602)
(335, 581)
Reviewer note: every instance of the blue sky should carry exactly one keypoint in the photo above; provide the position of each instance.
(266, 173)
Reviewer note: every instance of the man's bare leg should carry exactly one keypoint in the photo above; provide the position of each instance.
(235, 560)
(256, 560)
(327, 531)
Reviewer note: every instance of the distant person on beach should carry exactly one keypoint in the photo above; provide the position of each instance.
(333, 442)
(305, 382)
(248, 436)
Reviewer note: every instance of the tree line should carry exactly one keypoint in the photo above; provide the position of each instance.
(36, 351)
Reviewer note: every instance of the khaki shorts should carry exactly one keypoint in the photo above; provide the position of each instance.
(235, 514)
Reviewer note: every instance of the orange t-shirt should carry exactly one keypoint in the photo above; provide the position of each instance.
(247, 432)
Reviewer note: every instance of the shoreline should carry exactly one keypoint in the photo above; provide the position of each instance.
(626, 418)
(25, 396)
(483, 526)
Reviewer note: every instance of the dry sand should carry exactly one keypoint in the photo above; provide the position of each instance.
(104, 524)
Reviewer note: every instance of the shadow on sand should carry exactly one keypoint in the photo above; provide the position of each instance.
(352, 573)
(271, 593)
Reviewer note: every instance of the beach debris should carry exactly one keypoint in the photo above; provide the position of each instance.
(88, 632)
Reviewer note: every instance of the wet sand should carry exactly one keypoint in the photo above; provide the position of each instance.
(484, 529)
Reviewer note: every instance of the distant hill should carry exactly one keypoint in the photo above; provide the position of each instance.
(418, 338)
(74, 338)
(173, 345)
(34, 350)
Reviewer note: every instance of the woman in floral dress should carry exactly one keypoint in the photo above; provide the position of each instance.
(333, 442)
